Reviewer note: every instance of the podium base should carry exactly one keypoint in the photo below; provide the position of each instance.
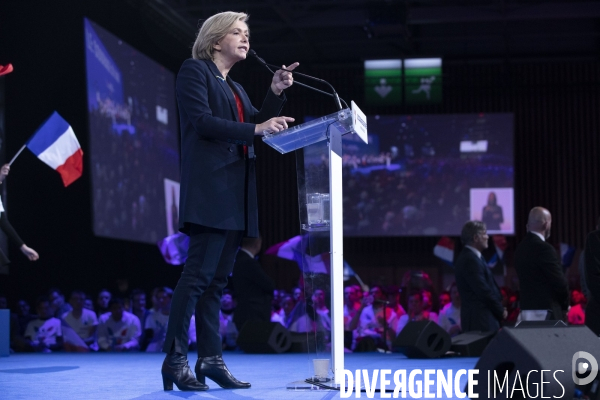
(316, 384)
(313, 384)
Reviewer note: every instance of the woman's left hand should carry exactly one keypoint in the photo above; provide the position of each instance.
(30, 253)
(283, 79)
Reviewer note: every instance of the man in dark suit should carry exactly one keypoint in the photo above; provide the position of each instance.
(543, 286)
(252, 286)
(592, 279)
(481, 300)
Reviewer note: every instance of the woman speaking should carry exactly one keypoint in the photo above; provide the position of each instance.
(218, 203)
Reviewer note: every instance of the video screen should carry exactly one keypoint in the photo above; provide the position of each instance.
(134, 145)
(426, 175)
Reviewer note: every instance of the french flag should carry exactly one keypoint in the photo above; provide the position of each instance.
(56, 145)
(445, 250)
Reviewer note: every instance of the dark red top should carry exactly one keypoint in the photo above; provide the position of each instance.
(240, 110)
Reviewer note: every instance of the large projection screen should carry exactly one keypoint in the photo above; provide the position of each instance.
(133, 140)
(426, 175)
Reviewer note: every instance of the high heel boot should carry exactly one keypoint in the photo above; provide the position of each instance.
(214, 368)
(175, 369)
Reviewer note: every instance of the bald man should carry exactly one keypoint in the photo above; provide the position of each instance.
(543, 286)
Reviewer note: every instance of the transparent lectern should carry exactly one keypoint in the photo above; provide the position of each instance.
(319, 251)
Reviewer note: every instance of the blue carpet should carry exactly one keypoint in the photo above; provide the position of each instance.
(137, 376)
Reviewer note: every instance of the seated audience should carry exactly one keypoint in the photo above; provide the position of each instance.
(227, 327)
(371, 325)
(24, 315)
(118, 330)
(102, 301)
(298, 294)
(82, 321)
(393, 297)
(155, 327)
(415, 311)
(352, 297)
(444, 298)
(324, 318)
(510, 301)
(301, 318)
(576, 314)
(45, 332)
(138, 305)
(287, 305)
(449, 318)
(57, 303)
(88, 303)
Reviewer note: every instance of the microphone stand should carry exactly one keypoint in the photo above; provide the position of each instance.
(385, 325)
(385, 322)
(333, 94)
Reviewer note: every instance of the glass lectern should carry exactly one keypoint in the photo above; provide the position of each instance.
(320, 249)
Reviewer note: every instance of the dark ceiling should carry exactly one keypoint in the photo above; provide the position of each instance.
(340, 32)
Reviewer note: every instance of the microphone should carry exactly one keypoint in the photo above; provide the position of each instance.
(260, 60)
(333, 94)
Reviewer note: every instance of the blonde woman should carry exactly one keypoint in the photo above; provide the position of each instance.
(218, 190)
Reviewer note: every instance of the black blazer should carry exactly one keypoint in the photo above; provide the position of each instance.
(542, 283)
(218, 185)
(592, 279)
(253, 289)
(480, 298)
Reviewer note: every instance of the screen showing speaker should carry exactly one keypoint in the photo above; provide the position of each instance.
(134, 141)
(426, 175)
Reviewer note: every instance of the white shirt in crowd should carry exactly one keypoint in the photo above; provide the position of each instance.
(449, 316)
(83, 326)
(405, 319)
(227, 329)
(158, 322)
(324, 319)
(369, 322)
(278, 316)
(44, 331)
(125, 332)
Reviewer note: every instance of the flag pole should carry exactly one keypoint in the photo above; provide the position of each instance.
(17, 155)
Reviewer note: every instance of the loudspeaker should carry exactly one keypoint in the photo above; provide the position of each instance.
(515, 358)
(541, 324)
(422, 339)
(264, 337)
(471, 344)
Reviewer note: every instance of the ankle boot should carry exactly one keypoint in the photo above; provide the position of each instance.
(214, 368)
(175, 369)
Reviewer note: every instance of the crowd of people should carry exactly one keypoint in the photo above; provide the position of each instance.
(138, 322)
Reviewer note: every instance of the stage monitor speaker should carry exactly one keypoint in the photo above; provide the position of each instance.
(541, 324)
(422, 339)
(471, 344)
(264, 337)
(512, 364)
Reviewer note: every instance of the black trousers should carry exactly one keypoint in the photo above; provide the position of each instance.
(210, 261)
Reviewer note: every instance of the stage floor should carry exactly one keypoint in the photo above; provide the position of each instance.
(137, 376)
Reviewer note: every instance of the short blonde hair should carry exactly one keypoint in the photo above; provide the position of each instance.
(212, 30)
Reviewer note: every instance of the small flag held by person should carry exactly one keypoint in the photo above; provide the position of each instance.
(567, 253)
(500, 244)
(56, 145)
(174, 248)
(444, 249)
